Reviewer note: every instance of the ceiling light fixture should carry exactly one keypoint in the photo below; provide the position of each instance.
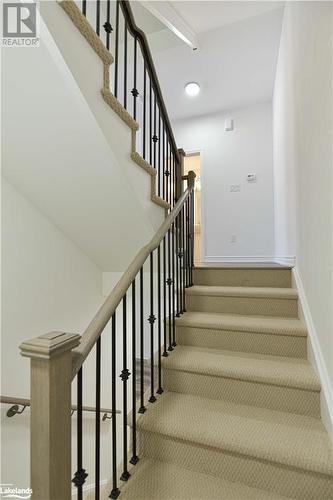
(192, 89)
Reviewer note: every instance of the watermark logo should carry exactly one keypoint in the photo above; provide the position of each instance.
(20, 24)
(11, 491)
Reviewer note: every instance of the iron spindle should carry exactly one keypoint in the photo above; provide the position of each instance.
(163, 163)
(165, 353)
(135, 92)
(80, 474)
(134, 460)
(98, 15)
(159, 389)
(98, 419)
(124, 377)
(169, 283)
(142, 408)
(167, 173)
(115, 491)
(177, 267)
(84, 7)
(151, 320)
(173, 286)
(192, 231)
(183, 258)
(107, 26)
(159, 154)
(125, 63)
(150, 122)
(144, 112)
(187, 243)
(116, 52)
(155, 138)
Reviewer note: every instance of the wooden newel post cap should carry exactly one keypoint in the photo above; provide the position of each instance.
(191, 179)
(49, 345)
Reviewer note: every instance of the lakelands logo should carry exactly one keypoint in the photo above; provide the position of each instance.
(11, 491)
(20, 23)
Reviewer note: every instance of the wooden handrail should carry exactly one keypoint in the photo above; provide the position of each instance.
(140, 35)
(103, 316)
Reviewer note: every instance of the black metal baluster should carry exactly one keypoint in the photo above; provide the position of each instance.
(169, 283)
(125, 63)
(107, 25)
(98, 419)
(144, 112)
(115, 491)
(124, 377)
(142, 408)
(134, 459)
(98, 15)
(80, 474)
(116, 52)
(167, 173)
(150, 122)
(177, 267)
(84, 7)
(159, 389)
(180, 256)
(165, 353)
(159, 154)
(173, 286)
(135, 92)
(151, 320)
(155, 138)
(184, 258)
(163, 163)
(187, 244)
(192, 235)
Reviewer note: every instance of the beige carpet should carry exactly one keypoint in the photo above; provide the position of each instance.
(240, 415)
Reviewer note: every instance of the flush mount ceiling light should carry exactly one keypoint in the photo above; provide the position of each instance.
(192, 89)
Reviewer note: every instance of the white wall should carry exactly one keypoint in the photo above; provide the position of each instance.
(303, 139)
(47, 284)
(227, 158)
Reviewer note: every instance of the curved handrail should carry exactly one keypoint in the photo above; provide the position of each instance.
(140, 35)
(103, 316)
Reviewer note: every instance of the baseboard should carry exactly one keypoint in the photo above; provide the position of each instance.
(285, 260)
(239, 258)
(315, 355)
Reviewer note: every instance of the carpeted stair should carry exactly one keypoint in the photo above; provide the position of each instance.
(240, 415)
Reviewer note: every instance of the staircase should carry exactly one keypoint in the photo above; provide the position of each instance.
(240, 416)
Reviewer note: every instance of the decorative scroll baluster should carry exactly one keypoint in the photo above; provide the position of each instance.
(142, 408)
(169, 283)
(135, 92)
(98, 419)
(107, 25)
(80, 474)
(134, 459)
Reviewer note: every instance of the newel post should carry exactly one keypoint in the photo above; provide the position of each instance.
(50, 421)
(191, 179)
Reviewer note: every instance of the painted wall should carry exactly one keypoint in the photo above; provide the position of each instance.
(226, 159)
(47, 284)
(302, 109)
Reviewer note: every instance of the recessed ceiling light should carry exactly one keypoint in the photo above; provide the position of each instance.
(192, 89)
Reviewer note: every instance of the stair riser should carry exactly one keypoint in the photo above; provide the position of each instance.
(277, 345)
(280, 278)
(283, 480)
(243, 392)
(243, 305)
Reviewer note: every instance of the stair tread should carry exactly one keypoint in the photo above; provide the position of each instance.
(238, 322)
(262, 368)
(243, 291)
(284, 438)
(156, 480)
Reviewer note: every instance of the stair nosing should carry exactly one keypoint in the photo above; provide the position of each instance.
(243, 291)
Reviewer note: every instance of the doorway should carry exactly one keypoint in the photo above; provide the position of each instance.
(192, 162)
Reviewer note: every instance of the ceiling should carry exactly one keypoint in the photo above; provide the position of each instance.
(208, 15)
(236, 60)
